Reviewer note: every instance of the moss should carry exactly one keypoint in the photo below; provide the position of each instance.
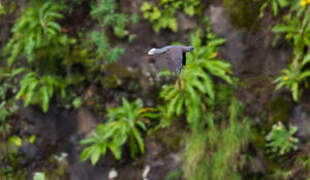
(115, 69)
(259, 137)
(279, 110)
(243, 13)
(170, 138)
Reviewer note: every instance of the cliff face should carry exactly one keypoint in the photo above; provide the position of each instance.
(255, 62)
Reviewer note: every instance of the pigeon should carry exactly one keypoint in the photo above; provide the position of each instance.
(173, 56)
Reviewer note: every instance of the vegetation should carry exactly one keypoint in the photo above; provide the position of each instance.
(105, 11)
(275, 5)
(281, 140)
(123, 127)
(59, 60)
(36, 89)
(194, 90)
(296, 28)
(224, 142)
(2, 11)
(164, 16)
(294, 77)
(36, 30)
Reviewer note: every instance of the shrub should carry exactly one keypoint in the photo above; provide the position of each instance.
(294, 76)
(281, 140)
(163, 16)
(37, 89)
(36, 29)
(193, 90)
(214, 152)
(296, 28)
(103, 47)
(274, 5)
(123, 127)
(105, 11)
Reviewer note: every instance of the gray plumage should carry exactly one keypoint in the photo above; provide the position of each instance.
(173, 56)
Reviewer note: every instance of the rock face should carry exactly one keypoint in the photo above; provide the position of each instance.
(250, 54)
(86, 122)
(301, 119)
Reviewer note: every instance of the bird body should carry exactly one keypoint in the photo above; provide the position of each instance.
(173, 56)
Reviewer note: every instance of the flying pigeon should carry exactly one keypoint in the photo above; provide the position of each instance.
(173, 55)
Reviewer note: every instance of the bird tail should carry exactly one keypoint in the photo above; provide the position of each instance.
(154, 51)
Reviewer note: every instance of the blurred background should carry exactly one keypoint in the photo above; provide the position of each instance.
(81, 99)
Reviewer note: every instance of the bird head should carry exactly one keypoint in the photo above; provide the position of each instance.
(189, 48)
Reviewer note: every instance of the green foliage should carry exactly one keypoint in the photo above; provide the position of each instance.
(175, 174)
(214, 153)
(123, 127)
(4, 127)
(105, 11)
(39, 176)
(37, 89)
(275, 5)
(281, 140)
(164, 16)
(34, 30)
(160, 19)
(77, 102)
(294, 76)
(69, 5)
(7, 105)
(296, 28)
(194, 87)
(2, 10)
(8, 80)
(103, 47)
(37, 36)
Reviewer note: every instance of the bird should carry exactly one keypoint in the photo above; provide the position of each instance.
(172, 56)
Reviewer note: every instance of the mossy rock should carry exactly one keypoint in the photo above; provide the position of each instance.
(243, 13)
(279, 110)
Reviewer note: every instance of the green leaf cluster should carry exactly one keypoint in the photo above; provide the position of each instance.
(103, 47)
(2, 10)
(294, 76)
(163, 15)
(214, 151)
(275, 5)
(37, 89)
(123, 128)
(193, 90)
(106, 13)
(296, 28)
(38, 37)
(35, 29)
(280, 140)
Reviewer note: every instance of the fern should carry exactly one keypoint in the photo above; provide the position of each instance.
(105, 11)
(35, 29)
(275, 5)
(294, 77)
(163, 16)
(103, 47)
(296, 28)
(160, 19)
(194, 87)
(123, 127)
(36, 89)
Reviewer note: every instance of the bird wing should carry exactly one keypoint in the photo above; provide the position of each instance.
(183, 59)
